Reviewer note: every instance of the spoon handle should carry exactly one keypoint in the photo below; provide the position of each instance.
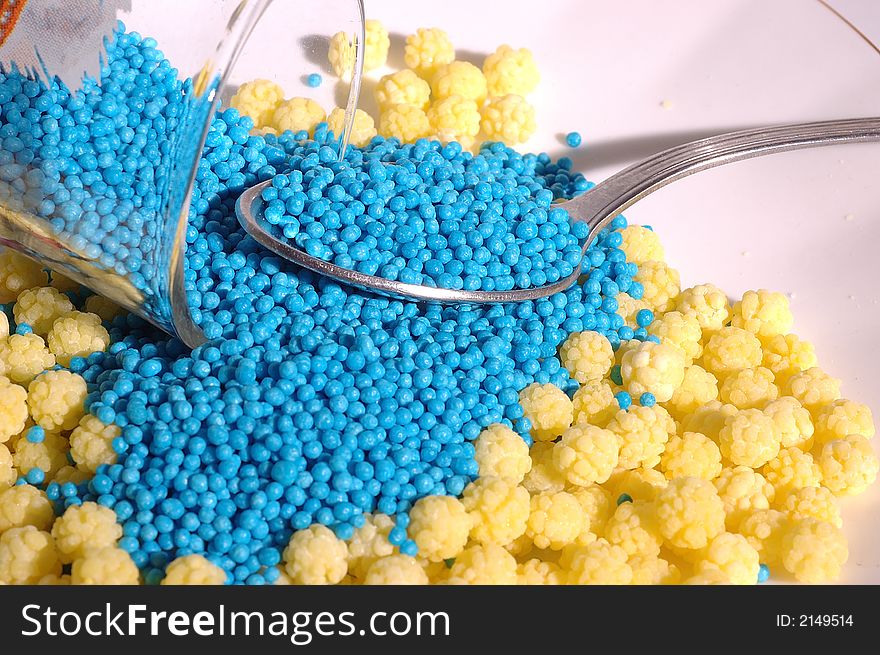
(612, 196)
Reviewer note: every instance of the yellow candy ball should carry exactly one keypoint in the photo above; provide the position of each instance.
(109, 565)
(376, 45)
(842, 418)
(341, 55)
(555, 520)
(793, 423)
(369, 543)
(764, 313)
(39, 307)
(848, 465)
(742, 490)
(764, 529)
(548, 408)
(641, 244)
(298, 114)
(258, 99)
(814, 551)
(791, 470)
(689, 512)
(427, 50)
(813, 388)
(501, 452)
(83, 528)
(643, 433)
(193, 570)
(697, 389)
(24, 356)
(691, 454)
(586, 454)
(362, 129)
(594, 403)
(749, 388)
(600, 563)
(440, 526)
(13, 409)
(661, 283)
(405, 122)
(316, 556)
(587, 356)
(749, 438)
(454, 118)
(707, 303)
(682, 330)
(509, 119)
(78, 334)
(483, 564)
(459, 78)
(56, 399)
(498, 510)
(510, 70)
(18, 273)
(731, 349)
(786, 355)
(403, 87)
(396, 570)
(656, 368)
(733, 556)
(813, 502)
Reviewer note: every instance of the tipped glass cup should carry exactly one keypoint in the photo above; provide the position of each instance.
(68, 219)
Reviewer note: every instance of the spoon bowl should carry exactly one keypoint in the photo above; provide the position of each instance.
(596, 207)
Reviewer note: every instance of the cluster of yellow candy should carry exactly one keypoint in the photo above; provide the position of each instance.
(264, 102)
(45, 431)
(436, 96)
(42, 418)
(738, 459)
(440, 97)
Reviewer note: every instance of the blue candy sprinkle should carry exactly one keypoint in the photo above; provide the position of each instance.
(624, 400)
(573, 139)
(647, 399)
(35, 434)
(644, 317)
(35, 476)
(763, 573)
(314, 80)
(615, 375)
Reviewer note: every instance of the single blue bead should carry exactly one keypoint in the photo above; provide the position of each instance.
(35, 476)
(624, 400)
(644, 317)
(35, 434)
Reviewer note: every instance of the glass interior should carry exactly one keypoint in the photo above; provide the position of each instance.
(95, 181)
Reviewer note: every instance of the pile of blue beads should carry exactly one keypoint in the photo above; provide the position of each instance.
(314, 402)
(422, 218)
